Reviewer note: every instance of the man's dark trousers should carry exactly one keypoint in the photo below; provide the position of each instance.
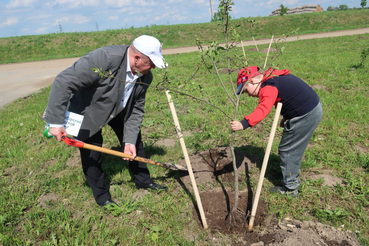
(92, 163)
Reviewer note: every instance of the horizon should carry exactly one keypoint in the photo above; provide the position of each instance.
(36, 17)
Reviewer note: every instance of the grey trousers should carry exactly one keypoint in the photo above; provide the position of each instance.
(296, 136)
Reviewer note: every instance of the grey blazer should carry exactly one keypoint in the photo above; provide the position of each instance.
(80, 90)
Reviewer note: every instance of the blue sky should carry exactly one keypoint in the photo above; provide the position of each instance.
(34, 17)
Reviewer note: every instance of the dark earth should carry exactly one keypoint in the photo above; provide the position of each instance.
(214, 169)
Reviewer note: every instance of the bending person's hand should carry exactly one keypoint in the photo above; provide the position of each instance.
(236, 125)
(57, 132)
(131, 150)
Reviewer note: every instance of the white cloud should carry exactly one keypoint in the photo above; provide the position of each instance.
(79, 19)
(118, 3)
(132, 5)
(75, 19)
(203, 1)
(146, 3)
(113, 18)
(20, 4)
(76, 4)
(272, 2)
(39, 17)
(9, 21)
(41, 30)
(293, 2)
(125, 10)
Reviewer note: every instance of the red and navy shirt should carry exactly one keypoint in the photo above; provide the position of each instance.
(297, 99)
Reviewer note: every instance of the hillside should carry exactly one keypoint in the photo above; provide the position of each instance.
(63, 45)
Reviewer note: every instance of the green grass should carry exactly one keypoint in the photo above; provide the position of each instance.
(45, 200)
(63, 45)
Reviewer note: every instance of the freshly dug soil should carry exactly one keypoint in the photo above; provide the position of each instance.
(213, 169)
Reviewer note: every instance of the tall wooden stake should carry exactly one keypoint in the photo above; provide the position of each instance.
(266, 58)
(187, 159)
(265, 163)
(244, 54)
(255, 44)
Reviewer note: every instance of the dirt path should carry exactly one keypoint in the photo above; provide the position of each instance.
(21, 79)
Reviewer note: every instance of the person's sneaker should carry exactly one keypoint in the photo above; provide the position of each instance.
(284, 191)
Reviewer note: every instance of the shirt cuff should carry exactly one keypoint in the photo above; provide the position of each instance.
(245, 123)
(55, 125)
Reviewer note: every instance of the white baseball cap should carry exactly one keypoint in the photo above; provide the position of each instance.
(151, 47)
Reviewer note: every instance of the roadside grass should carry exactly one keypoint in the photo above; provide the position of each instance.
(66, 45)
(46, 201)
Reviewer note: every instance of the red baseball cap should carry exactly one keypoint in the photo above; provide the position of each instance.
(245, 74)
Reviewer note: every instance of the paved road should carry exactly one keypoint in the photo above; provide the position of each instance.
(21, 79)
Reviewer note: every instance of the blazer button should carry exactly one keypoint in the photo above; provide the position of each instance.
(111, 116)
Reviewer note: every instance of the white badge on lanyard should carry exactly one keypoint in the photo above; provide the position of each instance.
(73, 123)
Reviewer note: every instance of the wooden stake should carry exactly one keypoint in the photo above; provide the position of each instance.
(187, 159)
(244, 54)
(266, 58)
(255, 44)
(265, 163)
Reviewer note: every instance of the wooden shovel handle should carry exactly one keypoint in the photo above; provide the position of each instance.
(79, 144)
(137, 158)
(116, 153)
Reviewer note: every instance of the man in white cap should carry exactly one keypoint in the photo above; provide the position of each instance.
(118, 102)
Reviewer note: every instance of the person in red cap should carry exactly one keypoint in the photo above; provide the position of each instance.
(117, 101)
(301, 111)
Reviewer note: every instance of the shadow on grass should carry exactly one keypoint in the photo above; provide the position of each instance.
(113, 165)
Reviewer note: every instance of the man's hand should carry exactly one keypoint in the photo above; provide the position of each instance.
(131, 150)
(236, 125)
(57, 132)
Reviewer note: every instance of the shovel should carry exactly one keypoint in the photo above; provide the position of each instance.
(79, 144)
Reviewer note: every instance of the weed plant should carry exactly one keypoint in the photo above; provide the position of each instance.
(46, 201)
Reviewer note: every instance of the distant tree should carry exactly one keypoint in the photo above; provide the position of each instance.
(97, 26)
(283, 10)
(331, 8)
(343, 7)
(363, 3)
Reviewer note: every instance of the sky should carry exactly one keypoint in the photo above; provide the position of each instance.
(35, 17)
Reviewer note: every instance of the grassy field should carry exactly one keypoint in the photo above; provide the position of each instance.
(46, 201)
(63, 45)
